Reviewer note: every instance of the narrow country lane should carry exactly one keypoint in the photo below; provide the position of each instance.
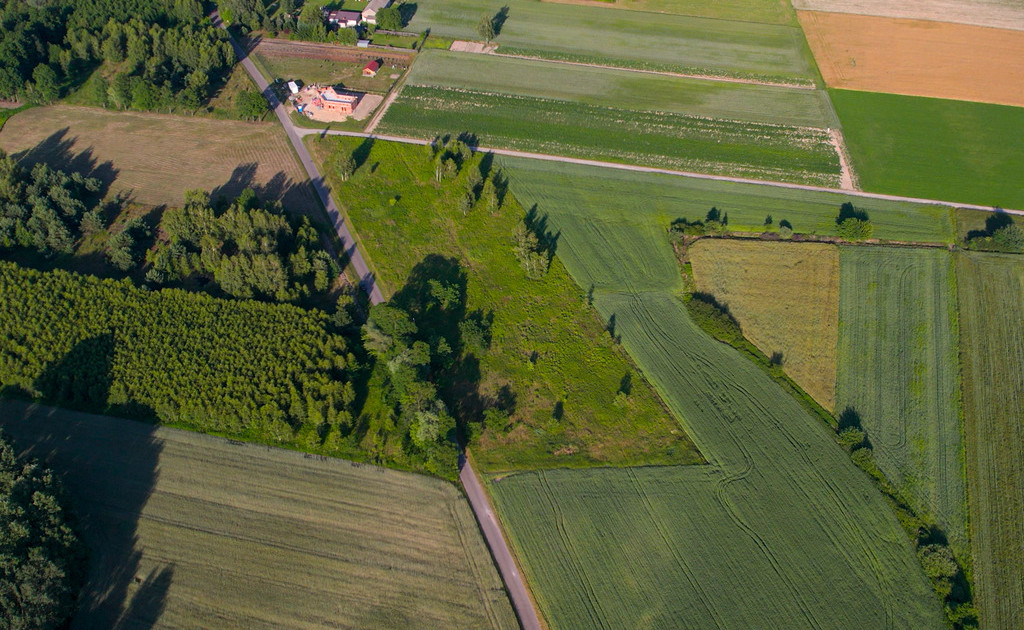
(348, 243)
(478, 500)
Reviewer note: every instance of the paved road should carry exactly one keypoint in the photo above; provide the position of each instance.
(666, 171)
(348, 243)
(499, 547)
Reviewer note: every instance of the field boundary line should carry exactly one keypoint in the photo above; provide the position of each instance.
(677, 173)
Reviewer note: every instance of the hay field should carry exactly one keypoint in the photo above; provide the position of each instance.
(783, 531)
(629, 39)
(991, 291)
(660, 199)
(156, 158)
(193, 531)
(898, 371)
(917, 57)
(785, 297)
(762, 11)
(934, 148)
(623, 89)
(992, 13)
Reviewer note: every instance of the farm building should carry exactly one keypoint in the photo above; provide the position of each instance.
(344, 19)
(370, 12)
(370, 69)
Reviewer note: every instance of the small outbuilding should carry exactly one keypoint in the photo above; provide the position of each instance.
(370, 69)
(293, 87)
(363, 43)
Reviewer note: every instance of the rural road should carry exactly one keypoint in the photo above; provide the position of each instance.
(474, 491)
(348, 243)
(499, 547)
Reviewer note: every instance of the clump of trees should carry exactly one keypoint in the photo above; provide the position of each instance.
(853, 224)
(42, 559)
(390, 19)
(714, 222)
(45, 209)
(449, 154)
(532, 246)
(161, 54)
(1001, 234)
(251, 249)
(250, 105)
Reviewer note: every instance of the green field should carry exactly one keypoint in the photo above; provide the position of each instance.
(191, 531)
(623, 89)
(631, 39)
(991, 291)
(659, 199)
(327, 71)
(898, 371)
(933, 148)
(763, 11)
(779, 531)
(548, 345)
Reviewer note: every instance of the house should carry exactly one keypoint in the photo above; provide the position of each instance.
(371, 9)
(332, 100)
(370, 69)
(293, 87)
(343, 19)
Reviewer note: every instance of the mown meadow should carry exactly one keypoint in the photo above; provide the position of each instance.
(934, 148)
(811, 542)
(629, 39)
(990, 291)
(189, 530)
(898, 376)
(572, 394)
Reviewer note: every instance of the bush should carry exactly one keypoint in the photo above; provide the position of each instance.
(851, 437)
(42, 558)
(855, 230)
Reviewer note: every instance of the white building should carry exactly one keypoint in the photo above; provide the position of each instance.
(370, 12)
(293, 87)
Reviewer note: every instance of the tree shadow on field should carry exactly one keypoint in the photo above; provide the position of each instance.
(296, 197)
(109, 467)
(58, 152)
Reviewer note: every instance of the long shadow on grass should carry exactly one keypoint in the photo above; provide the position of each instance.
(58, 152)
(109, 468)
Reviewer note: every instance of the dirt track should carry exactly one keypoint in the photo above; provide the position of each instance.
(917, 57)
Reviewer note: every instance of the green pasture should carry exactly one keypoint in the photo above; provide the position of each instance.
(548, 345)
(623, 89)
(630, 39)
(656, 199)
(662, 139)
(933, 148)
(898, 373)
(991, 292)
(780, 530)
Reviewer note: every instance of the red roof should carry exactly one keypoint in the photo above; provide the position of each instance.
(373, 66)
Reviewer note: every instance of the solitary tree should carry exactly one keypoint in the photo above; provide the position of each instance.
(486, 28)
(389, 19)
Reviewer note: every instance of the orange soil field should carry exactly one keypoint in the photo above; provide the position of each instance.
(917, 57)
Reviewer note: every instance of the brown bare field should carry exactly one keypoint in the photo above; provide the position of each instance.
(992, 13)
(192, 531)
(785, 297)
(917, 57)
(155, 158)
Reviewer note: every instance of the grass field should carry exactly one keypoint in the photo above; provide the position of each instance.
(547, 345)
(188, 530)
(779, 531)
(898, 371)
(785, 297)
(662, 198)
(933, 148)
(991, 290)
(630, 39)
(917, 57)
(623, 89)
(155, 158)
(763, 11)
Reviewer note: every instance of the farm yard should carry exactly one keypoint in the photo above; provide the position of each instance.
(990, 290)
(809, 541)
(155, 159)
(630, 39)
(660, 199)
(917, 57)
(991, 13)
(785, 297)
(933, 148)
(548, 347)
(327, 65)
(188, 530)
(898, 374)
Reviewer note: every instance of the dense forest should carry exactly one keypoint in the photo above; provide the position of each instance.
(41, 557)
(157, 54)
